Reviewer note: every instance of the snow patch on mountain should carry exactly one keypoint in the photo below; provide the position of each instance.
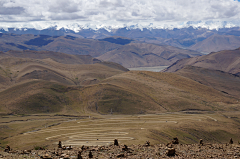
(111, 26)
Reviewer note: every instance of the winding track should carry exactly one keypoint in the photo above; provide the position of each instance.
(103, 131)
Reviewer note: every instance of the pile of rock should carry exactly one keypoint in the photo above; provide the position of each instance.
(116, 150)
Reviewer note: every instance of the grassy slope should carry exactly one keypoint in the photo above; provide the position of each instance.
(101, 88)
(133, 92)
(219, 80)
(148, 92)
(119, 92)
(226, 60)
(26, 84)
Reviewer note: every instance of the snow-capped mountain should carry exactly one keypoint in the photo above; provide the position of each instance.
(76, 27)
(186, 35)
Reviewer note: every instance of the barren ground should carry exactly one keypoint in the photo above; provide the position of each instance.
(25, 132)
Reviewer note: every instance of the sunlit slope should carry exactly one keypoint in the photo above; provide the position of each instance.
(133, 92)
(226, 60)
(33, 97)
(45, 85)
(15, 70)
(29, 85)
(226, 82)
(148, 92)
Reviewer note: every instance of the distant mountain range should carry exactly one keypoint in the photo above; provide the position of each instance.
(216, 43)
(226, 61)
(147, 55)
(194, 38)
(125, 51)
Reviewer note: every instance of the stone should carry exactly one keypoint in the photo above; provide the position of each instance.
(79, 155)
(120, 155)
(125, 148)
(59, 144)
(83, 148)
(170, 152)
(175, 141)
(90, 155)
(46, 156)
(66, 157)
(116, 142)
(7, 149)
(147, 143)
(26, 151)
(69, 147)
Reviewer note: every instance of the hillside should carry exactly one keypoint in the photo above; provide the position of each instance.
(156, 92)
(133, 92)
(227, 61)
(65, 44)
(216, 43)
(56, 56)
(82, 101)
(23, 79)
(125, 51)
(45, 85)
(141, 105)
(146, 55)
(219, 80)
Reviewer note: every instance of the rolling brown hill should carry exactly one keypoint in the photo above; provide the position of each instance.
(146, 55)
(219, 80)
(133, 92)
(45, 85)
(227, 61)
(53, 66)
(29, 84)
(149, 92)
(56, 56)
(37, 84)
(216, 43)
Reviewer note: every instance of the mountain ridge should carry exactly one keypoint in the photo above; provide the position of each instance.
(183, 37)
(226, 60)
(142, 54)
(146, 55)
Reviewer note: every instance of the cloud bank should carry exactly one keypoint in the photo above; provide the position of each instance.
(112, 12)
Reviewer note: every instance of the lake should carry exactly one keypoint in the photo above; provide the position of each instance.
(153, 69)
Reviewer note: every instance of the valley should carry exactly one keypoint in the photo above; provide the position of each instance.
(110, 79)
(48, 96)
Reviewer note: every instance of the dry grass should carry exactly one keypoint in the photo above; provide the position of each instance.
(219, 80)
(39, 85)
(150, 92)
(101, 130)
(111, 97)
(133, 92)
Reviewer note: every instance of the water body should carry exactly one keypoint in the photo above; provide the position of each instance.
(153, 69)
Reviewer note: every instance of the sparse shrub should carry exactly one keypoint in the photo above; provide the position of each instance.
(39, 147)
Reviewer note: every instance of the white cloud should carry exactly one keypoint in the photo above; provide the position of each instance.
(118, 11)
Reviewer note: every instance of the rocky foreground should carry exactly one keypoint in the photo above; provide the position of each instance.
(145, 151)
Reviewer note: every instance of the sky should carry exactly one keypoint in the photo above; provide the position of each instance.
(116, 12)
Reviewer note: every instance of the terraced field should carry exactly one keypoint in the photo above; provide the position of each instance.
(102, 130)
